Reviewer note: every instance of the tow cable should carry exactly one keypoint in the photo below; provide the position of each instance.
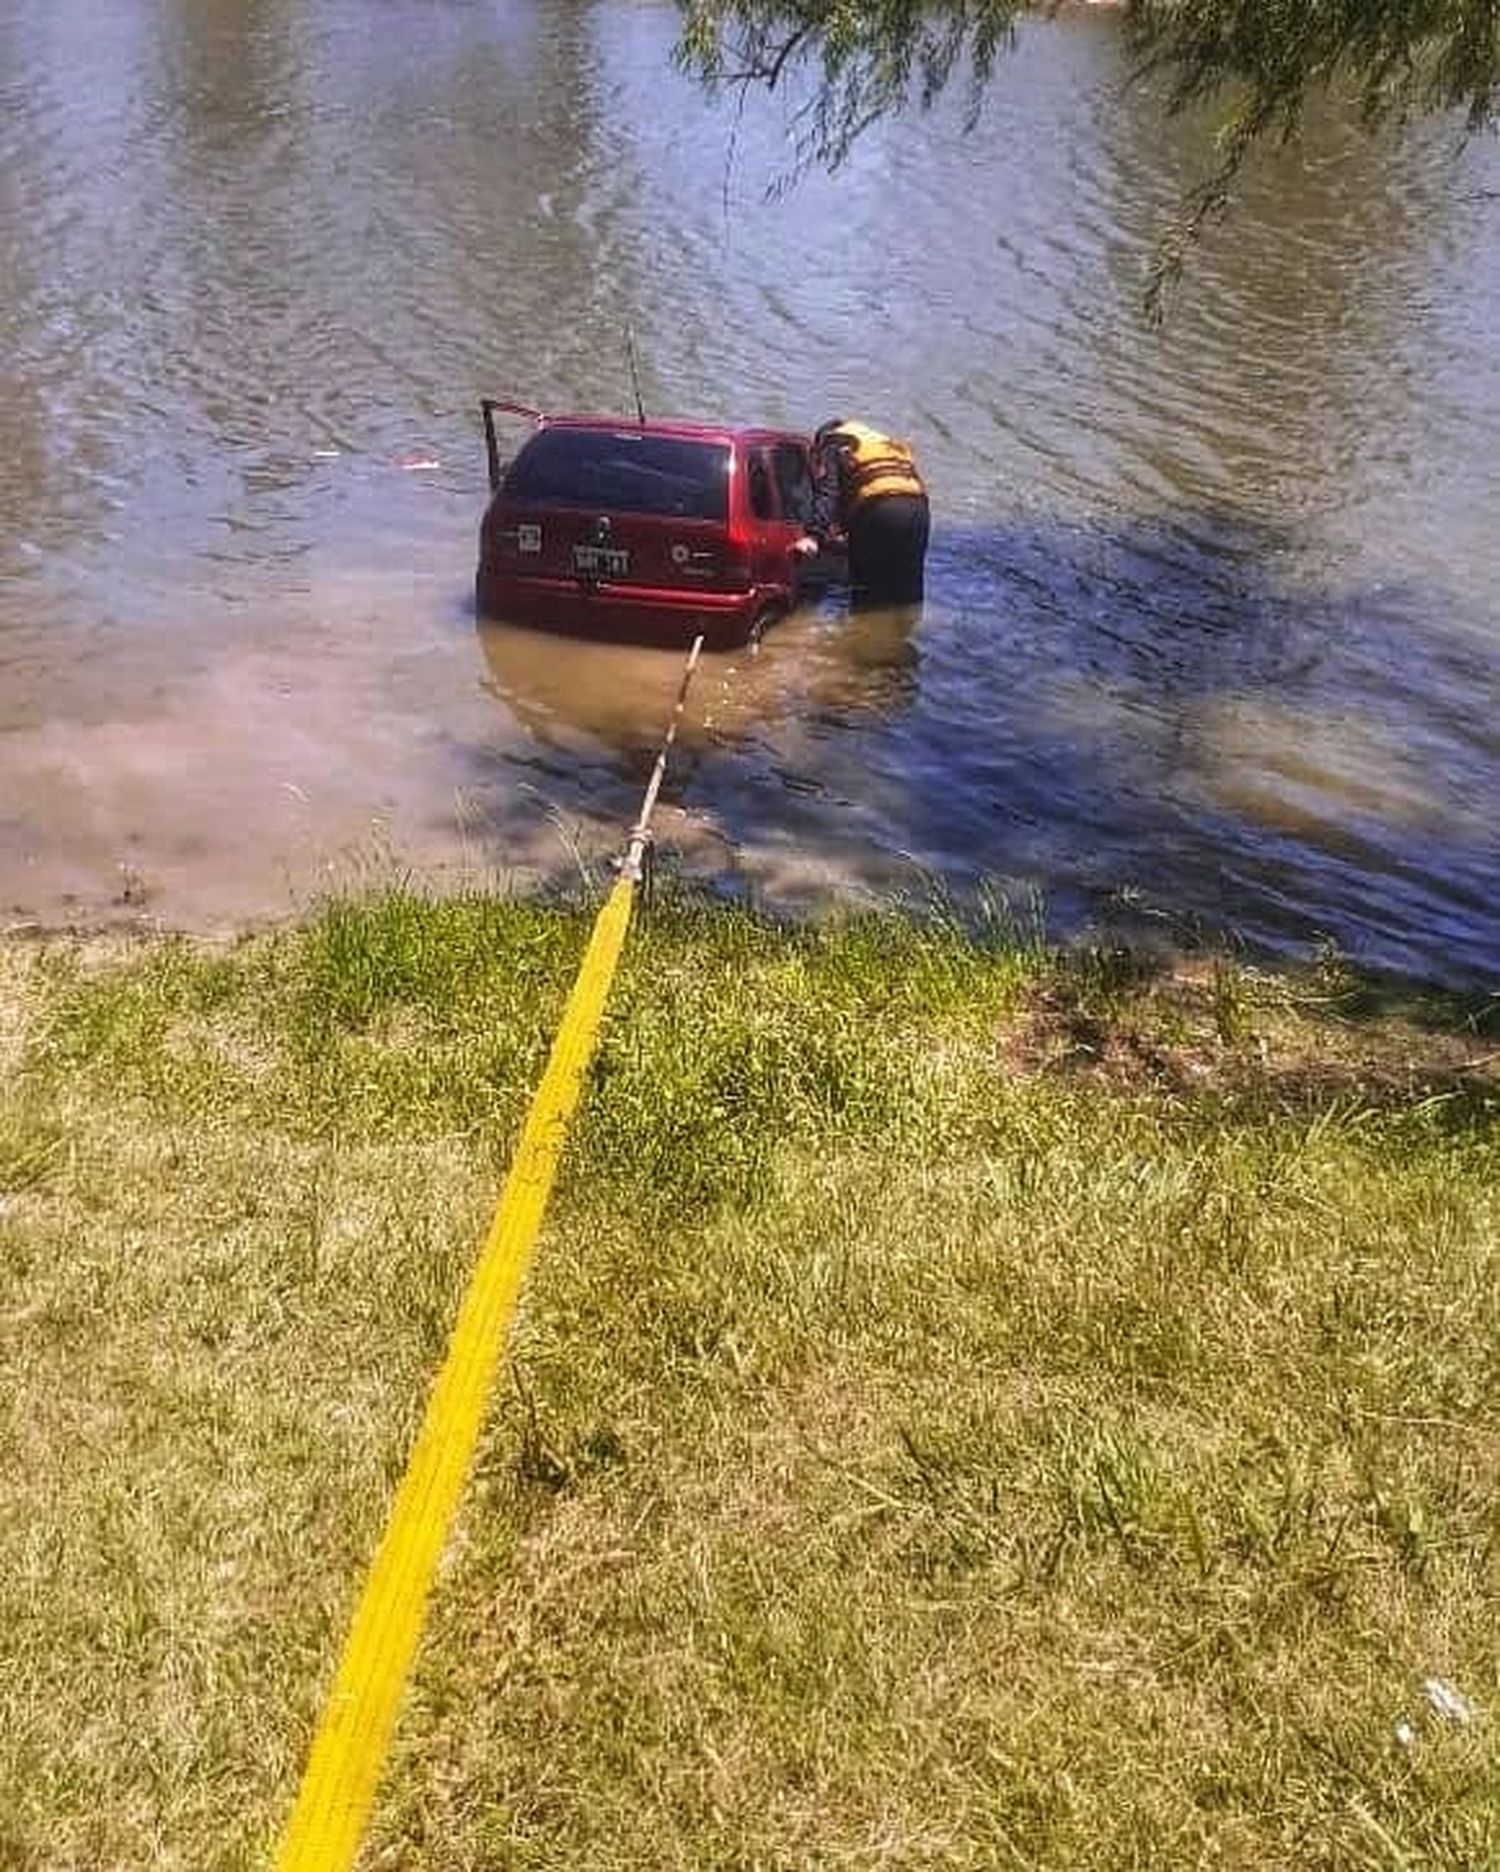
(349, 1748)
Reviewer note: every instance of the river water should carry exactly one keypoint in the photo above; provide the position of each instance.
(1212, 629)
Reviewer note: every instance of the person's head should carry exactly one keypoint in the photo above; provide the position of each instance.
(830, 451)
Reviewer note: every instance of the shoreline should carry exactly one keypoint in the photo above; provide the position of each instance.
(1157, 946)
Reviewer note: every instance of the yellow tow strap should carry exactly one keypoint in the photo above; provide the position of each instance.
(349, 1749)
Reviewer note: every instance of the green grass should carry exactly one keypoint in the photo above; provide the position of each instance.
(972, 1408)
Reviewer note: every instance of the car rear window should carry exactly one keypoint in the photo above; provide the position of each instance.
(623, 471)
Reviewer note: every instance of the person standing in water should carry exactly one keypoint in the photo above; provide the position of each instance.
(874, 495)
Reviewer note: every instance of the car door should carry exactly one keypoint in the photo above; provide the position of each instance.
(798, 499)
(775, 528)
(791, 468)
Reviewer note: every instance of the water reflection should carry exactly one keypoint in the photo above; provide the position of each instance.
(1283, 357)
(68, 115)
(587, 698)
(228, 69)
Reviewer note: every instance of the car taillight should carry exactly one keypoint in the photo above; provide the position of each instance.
(734, 560)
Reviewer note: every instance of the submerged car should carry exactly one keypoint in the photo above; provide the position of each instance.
(647, 532)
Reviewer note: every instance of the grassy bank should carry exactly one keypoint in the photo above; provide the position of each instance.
(972, 1409)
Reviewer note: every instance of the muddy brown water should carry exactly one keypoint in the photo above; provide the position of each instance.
(1212, 630)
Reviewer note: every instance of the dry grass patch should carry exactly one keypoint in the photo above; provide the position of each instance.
(924, 1444)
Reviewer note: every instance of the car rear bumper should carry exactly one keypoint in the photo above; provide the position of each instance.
(639, 614)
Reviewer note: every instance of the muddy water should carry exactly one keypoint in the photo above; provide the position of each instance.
(1212, 629)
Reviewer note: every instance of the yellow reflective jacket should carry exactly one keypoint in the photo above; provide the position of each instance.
(869, 463)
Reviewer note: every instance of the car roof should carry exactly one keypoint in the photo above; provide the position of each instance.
(683, 431)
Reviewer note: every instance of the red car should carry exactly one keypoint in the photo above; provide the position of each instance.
(649, 532)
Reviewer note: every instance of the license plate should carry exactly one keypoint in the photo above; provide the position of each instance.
(600, 561)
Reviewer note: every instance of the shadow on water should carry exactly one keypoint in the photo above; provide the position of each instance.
(1151, 724)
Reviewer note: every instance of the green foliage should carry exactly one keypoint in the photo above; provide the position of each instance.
(1263, 59)
(1395, 57)
(871, 60)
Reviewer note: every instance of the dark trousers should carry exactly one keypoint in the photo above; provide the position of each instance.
(888, 549)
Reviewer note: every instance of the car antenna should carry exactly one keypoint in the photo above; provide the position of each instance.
(635, 377)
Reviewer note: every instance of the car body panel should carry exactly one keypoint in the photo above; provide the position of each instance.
(649, 532)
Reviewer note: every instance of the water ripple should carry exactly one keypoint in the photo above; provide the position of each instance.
(1213, 611)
